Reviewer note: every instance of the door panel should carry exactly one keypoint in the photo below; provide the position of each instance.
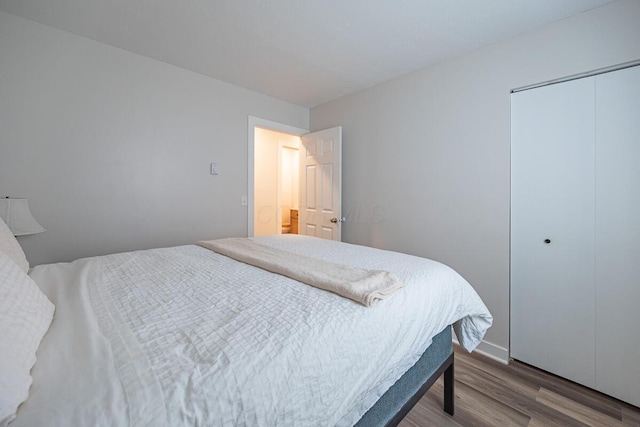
(327, 188)
(618, 234)
(552, 197)
(328, 233)
(309, 201)
(320, 184)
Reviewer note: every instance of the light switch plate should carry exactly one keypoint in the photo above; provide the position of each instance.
(214, 169)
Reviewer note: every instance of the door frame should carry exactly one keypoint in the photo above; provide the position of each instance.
(252, 123)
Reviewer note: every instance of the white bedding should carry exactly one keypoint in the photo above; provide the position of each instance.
(185, 336)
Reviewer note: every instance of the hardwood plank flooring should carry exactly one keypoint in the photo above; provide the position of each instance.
(488, 393)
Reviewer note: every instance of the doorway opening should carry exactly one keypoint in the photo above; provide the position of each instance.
(275, 182)
(258, 218)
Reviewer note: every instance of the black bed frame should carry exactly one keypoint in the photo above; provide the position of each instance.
(398, 401)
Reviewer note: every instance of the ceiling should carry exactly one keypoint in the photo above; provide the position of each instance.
(303, 51)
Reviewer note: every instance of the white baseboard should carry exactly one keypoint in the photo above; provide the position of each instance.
(490, 350)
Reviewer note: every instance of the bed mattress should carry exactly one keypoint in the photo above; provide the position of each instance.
(185, 336)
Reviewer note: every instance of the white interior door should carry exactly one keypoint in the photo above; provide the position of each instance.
(552, 229)
(320, 209)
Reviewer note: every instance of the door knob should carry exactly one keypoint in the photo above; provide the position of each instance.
(336, 220)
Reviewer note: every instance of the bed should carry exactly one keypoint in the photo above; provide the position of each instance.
(187, 336)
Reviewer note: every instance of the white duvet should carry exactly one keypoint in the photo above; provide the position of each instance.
(185, 336)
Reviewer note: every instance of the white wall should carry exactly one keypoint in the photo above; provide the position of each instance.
(112, 149)
(290, 179)
(265, 183)
(426, 156)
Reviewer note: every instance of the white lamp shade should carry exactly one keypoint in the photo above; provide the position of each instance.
(17, 216)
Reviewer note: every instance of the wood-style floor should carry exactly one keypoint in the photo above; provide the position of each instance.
(488, 393)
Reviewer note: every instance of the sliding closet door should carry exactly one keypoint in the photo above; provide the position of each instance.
(618, 234)
(552, 229)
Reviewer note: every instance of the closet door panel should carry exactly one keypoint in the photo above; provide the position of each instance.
(552, 197)
(618, 234)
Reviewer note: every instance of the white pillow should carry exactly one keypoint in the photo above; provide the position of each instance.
(25, 316)
(10, 246)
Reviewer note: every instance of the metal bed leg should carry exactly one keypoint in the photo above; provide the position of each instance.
(449, 395)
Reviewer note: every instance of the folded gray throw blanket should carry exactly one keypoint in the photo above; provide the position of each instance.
(358, 284)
